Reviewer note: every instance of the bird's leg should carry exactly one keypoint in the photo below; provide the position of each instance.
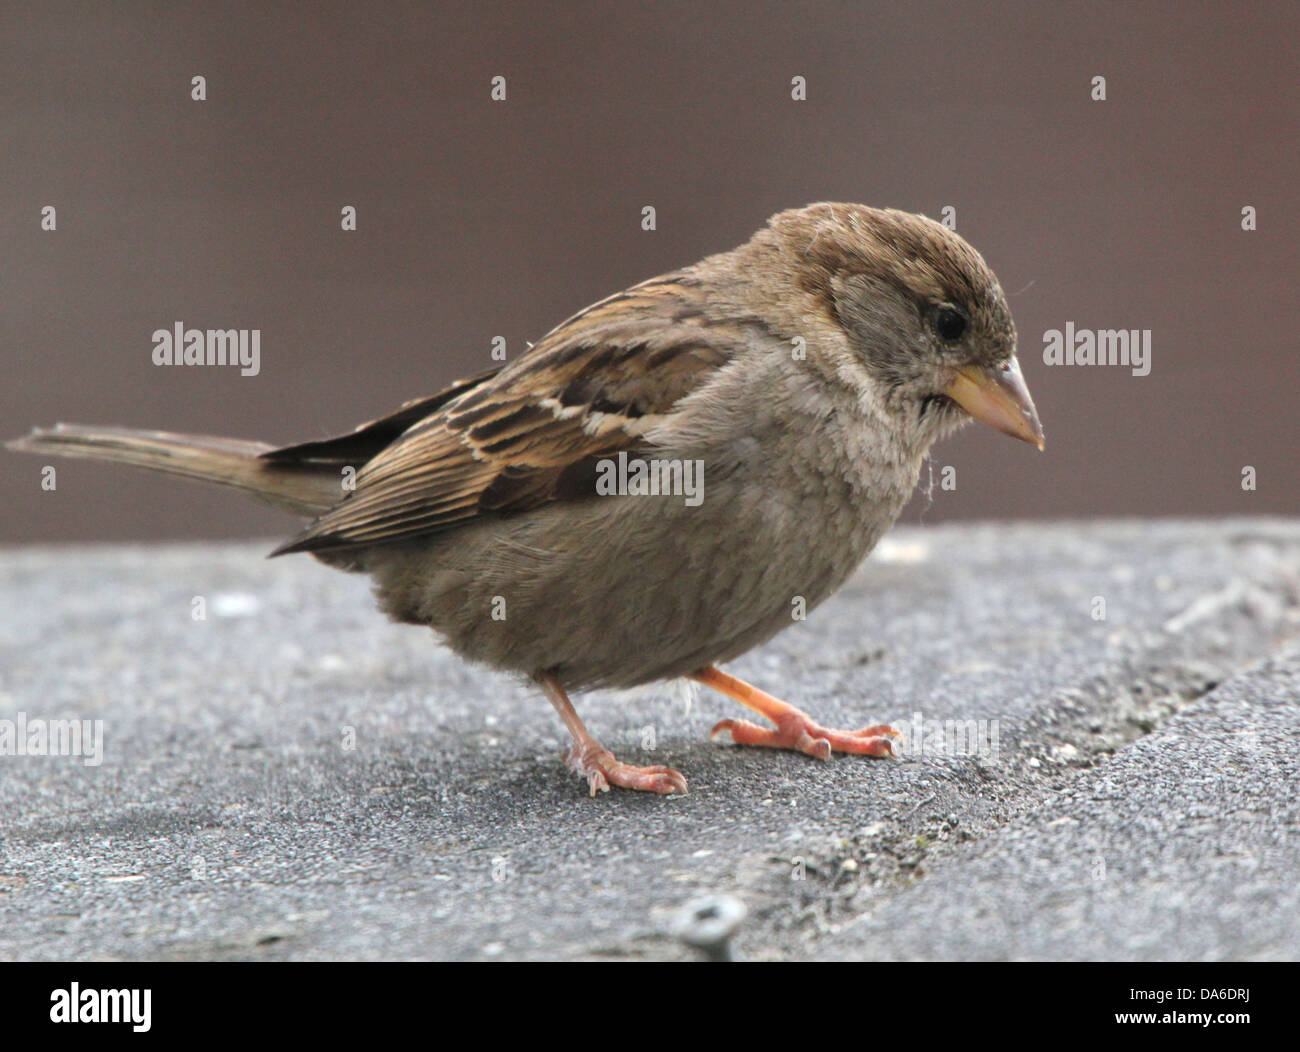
(592, 760)
(794, 729)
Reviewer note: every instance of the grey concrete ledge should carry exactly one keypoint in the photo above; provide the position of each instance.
(293, 777)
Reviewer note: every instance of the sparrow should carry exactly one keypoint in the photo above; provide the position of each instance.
(804, 375)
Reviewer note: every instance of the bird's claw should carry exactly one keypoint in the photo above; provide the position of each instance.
(601, 769)
(797, 730)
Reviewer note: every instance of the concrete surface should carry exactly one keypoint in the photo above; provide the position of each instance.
(293, 777)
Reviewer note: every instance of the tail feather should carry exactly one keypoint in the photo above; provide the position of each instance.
(304, 489)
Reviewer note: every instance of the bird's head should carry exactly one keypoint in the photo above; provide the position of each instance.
(929, 333)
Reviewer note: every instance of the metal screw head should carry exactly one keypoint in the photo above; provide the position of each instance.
(708, 923)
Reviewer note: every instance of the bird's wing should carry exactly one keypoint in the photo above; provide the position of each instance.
(533, 432)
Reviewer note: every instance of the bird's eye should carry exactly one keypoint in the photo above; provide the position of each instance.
(949, 322)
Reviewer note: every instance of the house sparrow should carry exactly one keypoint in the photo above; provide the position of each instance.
(806, 373)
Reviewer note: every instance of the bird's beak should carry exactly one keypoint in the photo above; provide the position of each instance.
(997, 396)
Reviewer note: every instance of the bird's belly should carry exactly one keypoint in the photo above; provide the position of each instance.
(649, 588)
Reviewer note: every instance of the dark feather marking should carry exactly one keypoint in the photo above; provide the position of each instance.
(512, 421)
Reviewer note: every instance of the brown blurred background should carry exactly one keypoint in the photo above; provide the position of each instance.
(479, 219)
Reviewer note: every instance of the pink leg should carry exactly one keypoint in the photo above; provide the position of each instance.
(596, 763)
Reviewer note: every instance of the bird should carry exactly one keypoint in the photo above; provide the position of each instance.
(798, 381)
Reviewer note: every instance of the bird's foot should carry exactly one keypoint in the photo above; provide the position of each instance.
(596, 763)
(599, 766)
(795, 729)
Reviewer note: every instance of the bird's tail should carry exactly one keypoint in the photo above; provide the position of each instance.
(302, 488)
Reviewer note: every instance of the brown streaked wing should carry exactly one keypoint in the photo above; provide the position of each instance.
(531, 434)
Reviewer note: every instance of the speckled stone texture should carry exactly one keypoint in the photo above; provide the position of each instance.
(293, 777)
